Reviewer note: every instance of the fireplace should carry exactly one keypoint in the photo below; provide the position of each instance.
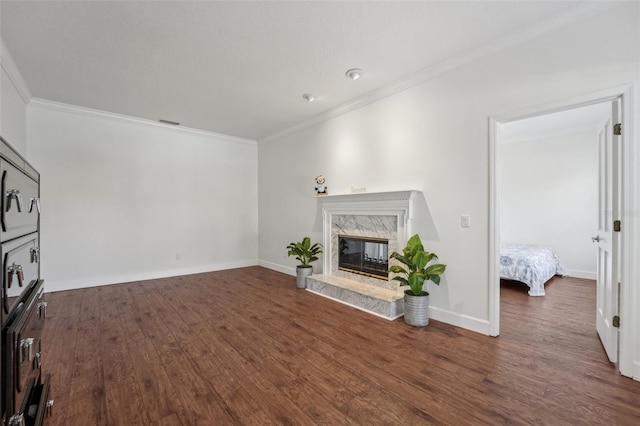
(359, 232)
(387, 217)
(364, 256)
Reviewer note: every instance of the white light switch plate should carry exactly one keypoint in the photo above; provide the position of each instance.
(465, 221)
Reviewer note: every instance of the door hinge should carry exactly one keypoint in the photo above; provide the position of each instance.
(616, 321)
(616, 226)
(617, 129)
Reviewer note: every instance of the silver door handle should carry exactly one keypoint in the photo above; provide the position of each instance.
(595, 239)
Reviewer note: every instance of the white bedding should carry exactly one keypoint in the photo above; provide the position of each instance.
(532, 265)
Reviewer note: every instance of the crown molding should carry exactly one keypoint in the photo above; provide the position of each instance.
(10, 67)
(95, 113)
(530, 33)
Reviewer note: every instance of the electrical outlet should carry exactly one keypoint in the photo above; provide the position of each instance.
(465, 221)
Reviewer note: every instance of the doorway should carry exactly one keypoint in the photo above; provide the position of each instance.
(497, 128)
(548, 201)
(548, 184)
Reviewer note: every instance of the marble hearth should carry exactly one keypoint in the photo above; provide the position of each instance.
(384, 215)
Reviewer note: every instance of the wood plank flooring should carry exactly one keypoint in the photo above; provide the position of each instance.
(245, 347)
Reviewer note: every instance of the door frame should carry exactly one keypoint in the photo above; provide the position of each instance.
(629, 354)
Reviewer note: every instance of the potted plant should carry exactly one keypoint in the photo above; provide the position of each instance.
(414, 271)
(305, 253)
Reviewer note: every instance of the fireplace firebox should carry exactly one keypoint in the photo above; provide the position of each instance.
(364, 256)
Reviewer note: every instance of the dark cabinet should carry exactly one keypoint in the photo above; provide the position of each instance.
(24, 389)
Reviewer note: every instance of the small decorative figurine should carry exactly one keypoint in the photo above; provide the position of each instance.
(321, 188)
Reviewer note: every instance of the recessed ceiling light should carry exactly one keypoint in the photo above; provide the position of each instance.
(308, 97)
(354, 73)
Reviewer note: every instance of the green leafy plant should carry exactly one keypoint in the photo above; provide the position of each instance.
(304, 251)
(415, 269)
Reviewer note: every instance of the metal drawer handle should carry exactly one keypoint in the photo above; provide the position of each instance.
(35, 254)
(26, 346)
(17, 420)
(42, 310)
(49, 409)
(37, 362)
(34, 201)
(11, 194)
(11, 271)
(596, 238)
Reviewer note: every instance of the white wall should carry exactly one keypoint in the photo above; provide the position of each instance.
(126, 200)
(548, 196)
(14, 96)
(434, 137)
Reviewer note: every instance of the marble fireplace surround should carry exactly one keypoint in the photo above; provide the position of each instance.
(387, 215)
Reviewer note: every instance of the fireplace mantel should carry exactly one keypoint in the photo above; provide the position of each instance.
(386, 216)
(390, 198)
(398, 204)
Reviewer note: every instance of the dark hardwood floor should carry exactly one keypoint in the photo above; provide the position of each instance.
(246, 347)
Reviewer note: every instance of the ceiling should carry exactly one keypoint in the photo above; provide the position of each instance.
(240, 68)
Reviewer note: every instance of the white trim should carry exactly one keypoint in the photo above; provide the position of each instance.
(494, 232)
(630, 236)
(94, 113)
(459, 320)
(61, 285)
(629, 355)
(585, 275)
(276, 267)
(537, 30)
(10, 67)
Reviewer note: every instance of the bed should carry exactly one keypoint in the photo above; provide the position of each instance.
(529, 264)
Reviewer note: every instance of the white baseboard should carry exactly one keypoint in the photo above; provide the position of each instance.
(463, 321)
(470, 323)
(580, 274)
(61, 285)
(279, 268)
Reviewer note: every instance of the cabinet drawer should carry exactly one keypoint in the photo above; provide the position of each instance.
(20, 269)
(35, 406)
(20, 202)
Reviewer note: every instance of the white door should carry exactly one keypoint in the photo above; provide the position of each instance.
(607, 238)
